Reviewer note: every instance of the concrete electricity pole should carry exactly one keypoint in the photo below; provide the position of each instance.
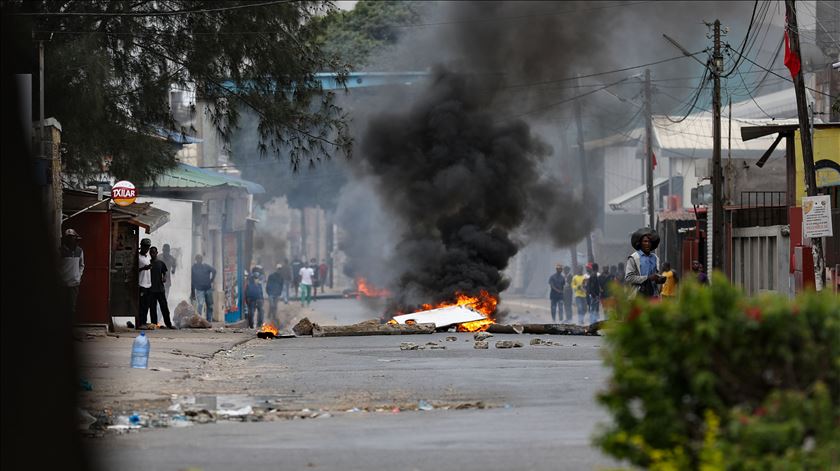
(717, 171)
(584, 172)
(805, 138)
(649, 151)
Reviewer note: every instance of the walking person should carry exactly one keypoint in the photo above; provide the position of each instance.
(594, 291)
(144, 280)
(669, 288)
(579, 288)
(568, 294)
(274, 289)
(641, 272)
(254, 299)
(157, 292)
(72, 269)
(201, 287)
(556, 285)
(306, 275)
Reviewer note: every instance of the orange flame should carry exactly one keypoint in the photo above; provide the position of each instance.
(369, 290)
(484, 303)
(270, 327)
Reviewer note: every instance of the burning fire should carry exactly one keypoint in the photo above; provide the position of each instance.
(370, 291)
(270, 328)
(483, 303)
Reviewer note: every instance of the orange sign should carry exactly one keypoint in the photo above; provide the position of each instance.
(123, 193)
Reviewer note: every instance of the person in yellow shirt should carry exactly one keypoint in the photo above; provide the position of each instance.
(669, 288)
(579, 289)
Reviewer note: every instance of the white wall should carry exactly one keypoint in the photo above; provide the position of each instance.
(178, 234)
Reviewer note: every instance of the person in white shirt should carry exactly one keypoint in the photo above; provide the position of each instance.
(307, 273)
(72, 269)
(145, 282)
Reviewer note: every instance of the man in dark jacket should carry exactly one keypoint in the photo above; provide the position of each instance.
(556, 285)
(201, 289)
(594, 292)
(157, 293)
(274, 288)
(254, 299)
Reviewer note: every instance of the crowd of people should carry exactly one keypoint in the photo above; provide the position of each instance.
(304, 277)
(588, 289)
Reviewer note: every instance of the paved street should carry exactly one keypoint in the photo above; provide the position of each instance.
(539, 413)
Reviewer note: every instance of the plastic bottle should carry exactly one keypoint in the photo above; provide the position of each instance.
(140, 351)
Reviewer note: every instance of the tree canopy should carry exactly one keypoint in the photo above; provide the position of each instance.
(357, 36)
(110, 66)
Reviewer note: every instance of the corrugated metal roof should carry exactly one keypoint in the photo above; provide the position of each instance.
(188, 176)
(692, 138)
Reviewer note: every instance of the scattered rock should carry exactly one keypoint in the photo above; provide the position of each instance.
(240, 324)
(185, 317)
(303, 327)
(537, 342)
(437, 347)
(451, 339)
(508, 344)
(409, 346)
(481, 345)
(470, 405)
(479, 336)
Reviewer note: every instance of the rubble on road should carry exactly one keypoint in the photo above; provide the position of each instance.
(482, 335)
(303, 327)
(508, 344)
(451, 339)
(547, 343)
(410, 346)
(481, 345)
(505, 329)
(185, 317)
(370, 327)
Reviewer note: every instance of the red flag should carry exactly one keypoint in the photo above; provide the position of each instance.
(654, 158)
(792, 61)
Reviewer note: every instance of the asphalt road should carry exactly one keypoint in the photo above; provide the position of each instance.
(540, 404)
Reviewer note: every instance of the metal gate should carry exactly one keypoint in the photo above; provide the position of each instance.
(760, 259)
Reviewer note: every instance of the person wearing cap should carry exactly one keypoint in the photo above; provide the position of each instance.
(72, 269)
(274, 288)
(145, 283)
(556, 285)
(641, 272)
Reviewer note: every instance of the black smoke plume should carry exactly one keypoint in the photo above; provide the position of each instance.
(459, 180)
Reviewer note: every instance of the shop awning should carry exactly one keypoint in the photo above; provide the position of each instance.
(615, 203)
(141, 214)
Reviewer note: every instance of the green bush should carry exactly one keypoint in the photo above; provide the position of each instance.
(717, 380)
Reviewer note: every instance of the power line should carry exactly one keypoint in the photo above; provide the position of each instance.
(746, 37)
(780, 76)
(152, 13)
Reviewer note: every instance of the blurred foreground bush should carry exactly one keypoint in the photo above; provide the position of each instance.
(717, 380)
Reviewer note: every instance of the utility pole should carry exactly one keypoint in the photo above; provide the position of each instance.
(717, 171)
(649, 151)
(584, 172)
(805, 138)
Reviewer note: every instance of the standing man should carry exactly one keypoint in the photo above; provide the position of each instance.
(296, 266)
(568, 294)
(579, 288)
(306, 276)
(274, 288)
(316, 282)
(72, 269)
(323, 271)
(170, 262)
(254, 299)
(286, 272)
(157, 293)
(556, 285)
(145, 281)
(594, 290)
(201, 286)
(641, 273)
